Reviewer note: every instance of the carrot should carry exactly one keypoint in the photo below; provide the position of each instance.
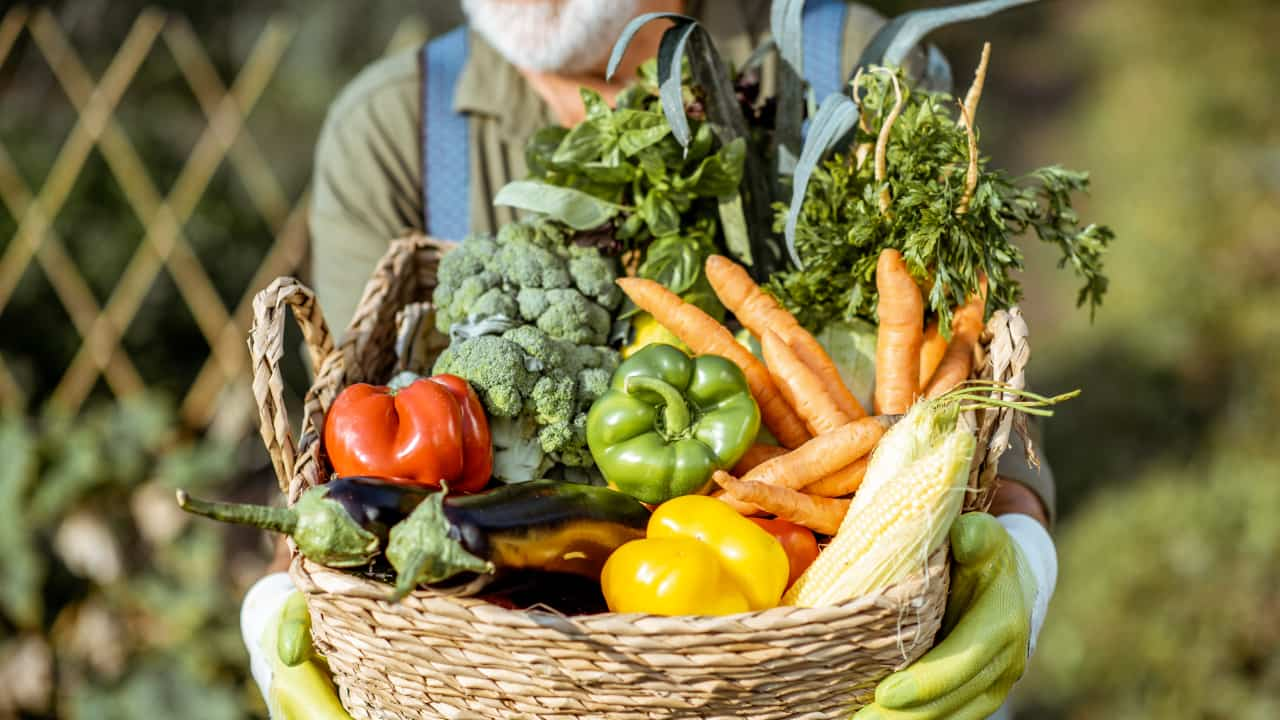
(844, 481)
(931, 352)
(758, 311)
(742, 508)
(801, 386)
(957, 364)
(755, 455)
(901, 332)
(821, 456)
(816, 513)
(705, 336)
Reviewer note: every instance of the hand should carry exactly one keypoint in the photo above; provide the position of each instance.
(276, 631)
(1003, 575)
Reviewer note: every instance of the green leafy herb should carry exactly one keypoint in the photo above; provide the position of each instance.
(677, 261)
(840, 228)
(626, 165)
(687, 52)
(574, 208)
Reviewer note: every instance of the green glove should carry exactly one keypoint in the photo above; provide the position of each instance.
(986, 630)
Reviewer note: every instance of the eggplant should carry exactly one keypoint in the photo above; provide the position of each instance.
(558, 592)
(343, 523)
(542, 525)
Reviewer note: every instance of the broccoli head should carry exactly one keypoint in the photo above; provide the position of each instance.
(593, 356)
(545, 350)
(523, 263)
(554, 399)
(494, 302)
(534, 264)
(571, 316)
(532, 303)
(592, 383)
(456, 298)
(573, 450)
(469, 258)
(595, 276)
(495, 367)
(539, 369)
(555, 438)
(565, 314)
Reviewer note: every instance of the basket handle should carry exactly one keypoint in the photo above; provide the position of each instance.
(1004, 360)
(266, 347)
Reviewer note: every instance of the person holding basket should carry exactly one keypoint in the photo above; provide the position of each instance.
(422, 140)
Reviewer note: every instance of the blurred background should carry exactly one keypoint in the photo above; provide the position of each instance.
(154, 162)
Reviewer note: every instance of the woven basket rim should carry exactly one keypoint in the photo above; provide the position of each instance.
(334, 581)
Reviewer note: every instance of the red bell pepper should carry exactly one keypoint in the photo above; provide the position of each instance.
(432, 431)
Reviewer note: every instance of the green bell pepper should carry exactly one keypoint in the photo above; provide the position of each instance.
(669, 421)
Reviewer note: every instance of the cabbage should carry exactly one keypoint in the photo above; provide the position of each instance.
(852, 347)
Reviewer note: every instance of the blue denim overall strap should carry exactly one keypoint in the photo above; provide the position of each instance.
(446, 156)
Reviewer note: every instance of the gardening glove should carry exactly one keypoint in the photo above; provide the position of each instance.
(277, 632)
(1003, 576)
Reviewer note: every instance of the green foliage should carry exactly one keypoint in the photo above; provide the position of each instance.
(677, 262)
(156, 688)
(628, 157)
(659, 192)
(132, 602)
(1169, 597)
(841, 228)
(1167, 602)
(21, 566)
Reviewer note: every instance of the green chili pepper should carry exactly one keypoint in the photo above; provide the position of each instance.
(303, 691)
(293, 640)
(669, 421)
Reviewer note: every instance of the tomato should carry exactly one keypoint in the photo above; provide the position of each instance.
(797, 540)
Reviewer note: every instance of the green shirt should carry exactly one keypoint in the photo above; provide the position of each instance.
(367, 188)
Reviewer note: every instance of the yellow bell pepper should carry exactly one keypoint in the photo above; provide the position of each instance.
(648, 332)
(700, 558)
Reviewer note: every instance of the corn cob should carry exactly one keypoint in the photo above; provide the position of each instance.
(892, 531)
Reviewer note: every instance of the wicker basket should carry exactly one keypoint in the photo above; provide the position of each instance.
(434, 656)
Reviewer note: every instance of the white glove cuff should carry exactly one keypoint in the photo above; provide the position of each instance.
(261, 605)
(1037, 553)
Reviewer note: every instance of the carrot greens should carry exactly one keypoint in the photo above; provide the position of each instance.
(842, 223)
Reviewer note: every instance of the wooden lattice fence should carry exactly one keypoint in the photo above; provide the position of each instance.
(219, 395)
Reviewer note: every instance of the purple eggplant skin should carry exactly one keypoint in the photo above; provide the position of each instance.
(541, 525)
(376, 504)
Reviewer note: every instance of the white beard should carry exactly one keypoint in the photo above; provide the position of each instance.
(564, 36)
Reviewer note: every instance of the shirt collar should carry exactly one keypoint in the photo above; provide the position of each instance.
(491, 86)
